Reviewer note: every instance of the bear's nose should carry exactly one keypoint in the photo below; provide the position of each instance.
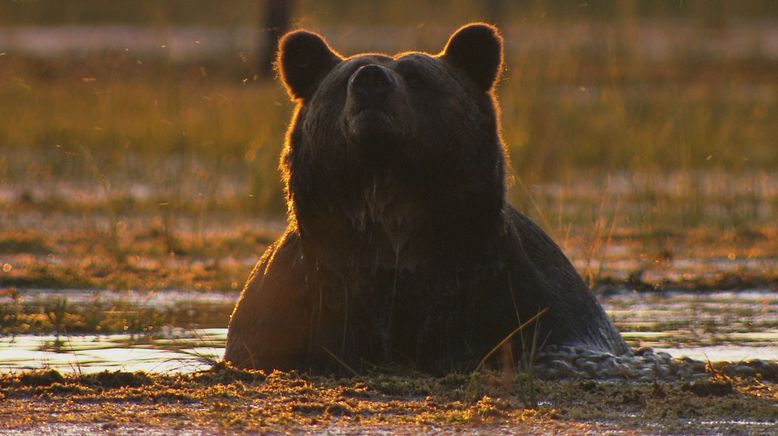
(371, 81)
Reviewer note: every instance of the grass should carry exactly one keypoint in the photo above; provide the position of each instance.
(215, 250)
(553, 129)
(246, 12)
(226, 399)
(608, 150)
(59, 316)
(129, 170)
(570, 112)
(508, 368)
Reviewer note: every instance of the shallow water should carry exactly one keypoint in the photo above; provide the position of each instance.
(713, 326)
(717, 326)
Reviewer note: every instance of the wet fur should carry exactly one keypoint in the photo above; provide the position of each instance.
(401, 249)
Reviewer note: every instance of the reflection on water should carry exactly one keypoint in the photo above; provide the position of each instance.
(717, 326)
(711, 325)
(172, 351)
(160, 299)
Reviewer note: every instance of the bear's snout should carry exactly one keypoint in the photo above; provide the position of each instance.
(372, 119)
(371, 82)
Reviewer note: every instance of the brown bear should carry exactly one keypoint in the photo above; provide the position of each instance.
(401, 248)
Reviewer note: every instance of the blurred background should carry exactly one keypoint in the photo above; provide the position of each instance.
(139, 145)
(146, 129)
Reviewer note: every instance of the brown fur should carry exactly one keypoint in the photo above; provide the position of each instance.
(400, 246)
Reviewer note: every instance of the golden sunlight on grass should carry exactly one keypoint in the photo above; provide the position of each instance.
(139, 152)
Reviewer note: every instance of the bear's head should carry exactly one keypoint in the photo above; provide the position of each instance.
(409, 141)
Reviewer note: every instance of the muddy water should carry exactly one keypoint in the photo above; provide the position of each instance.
(717, 326)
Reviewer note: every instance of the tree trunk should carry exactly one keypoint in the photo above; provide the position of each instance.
(276, 15)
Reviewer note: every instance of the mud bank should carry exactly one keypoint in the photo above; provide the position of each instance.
(223, 399)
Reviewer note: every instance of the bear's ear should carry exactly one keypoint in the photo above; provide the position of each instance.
(304, 58)
(476, 49)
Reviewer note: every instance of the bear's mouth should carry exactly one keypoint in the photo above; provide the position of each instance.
(373, 133)
(369, 124)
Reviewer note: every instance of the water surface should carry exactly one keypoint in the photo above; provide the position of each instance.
(717, 326)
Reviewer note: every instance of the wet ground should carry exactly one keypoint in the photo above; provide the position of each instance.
(224, 400)
(68, 357)
(716, 326)
(72, 335)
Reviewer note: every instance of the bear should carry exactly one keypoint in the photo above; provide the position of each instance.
(401, 249)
